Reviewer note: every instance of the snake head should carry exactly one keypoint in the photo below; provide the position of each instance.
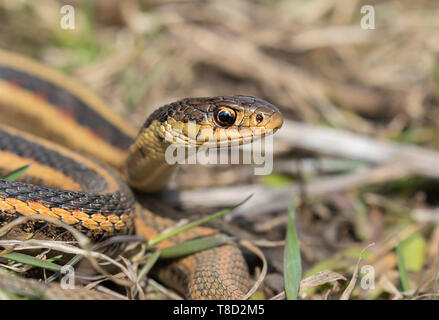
(195, 124)
(217, 121)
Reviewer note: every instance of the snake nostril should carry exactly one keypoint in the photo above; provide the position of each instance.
(259, 118)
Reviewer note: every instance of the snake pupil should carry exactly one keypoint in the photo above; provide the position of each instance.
(226, 117)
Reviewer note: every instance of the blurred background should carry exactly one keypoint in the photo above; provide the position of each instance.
(355, 99)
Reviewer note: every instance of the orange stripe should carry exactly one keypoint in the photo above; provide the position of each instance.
(50, 177)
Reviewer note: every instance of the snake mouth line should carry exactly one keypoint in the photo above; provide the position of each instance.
(221, 140)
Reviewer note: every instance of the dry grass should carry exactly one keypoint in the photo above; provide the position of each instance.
(312, 59)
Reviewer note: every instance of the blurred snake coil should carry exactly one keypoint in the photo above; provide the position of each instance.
(89, 173)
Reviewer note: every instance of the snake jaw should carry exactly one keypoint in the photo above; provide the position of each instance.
(210, 138)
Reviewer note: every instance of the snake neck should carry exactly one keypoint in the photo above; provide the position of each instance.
(146, 168)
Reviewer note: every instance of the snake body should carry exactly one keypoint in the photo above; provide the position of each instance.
(88, 182)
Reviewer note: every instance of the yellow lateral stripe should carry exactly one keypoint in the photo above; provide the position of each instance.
(111, 223)
(51, 75)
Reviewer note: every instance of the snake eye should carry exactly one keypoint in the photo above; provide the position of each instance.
(225, 116)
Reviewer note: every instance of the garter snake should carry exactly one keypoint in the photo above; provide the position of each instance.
(88, 174)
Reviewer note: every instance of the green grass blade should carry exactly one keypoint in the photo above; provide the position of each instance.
(26, 259)
(292, 260)
(195, 223)
(14, 175)
(149, 264)
(402, 268)
(192, 246)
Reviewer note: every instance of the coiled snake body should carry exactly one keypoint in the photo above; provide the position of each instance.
(81, 192)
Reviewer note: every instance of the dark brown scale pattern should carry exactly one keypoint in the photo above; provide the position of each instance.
(218, 274)
(110, 203)
(93, 198)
